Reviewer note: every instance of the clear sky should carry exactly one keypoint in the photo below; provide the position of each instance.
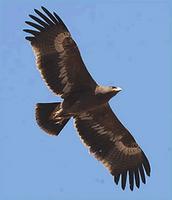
(123, 43)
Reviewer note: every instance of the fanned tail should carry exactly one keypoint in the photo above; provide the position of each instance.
(44, 117)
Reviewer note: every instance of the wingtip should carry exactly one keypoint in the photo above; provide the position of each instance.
(35, 10)
(31, 16)
(57, 16)
(26, 30)
(146, 164)
(148, 171)
(131, 187)
(43, 8)
(138, 186)
(30, 39)
(137, 178)
(147, 167)
(116, 179)
(124, 180)
(148, 174)
(123, 187)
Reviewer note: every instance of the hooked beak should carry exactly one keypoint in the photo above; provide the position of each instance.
(117, 89)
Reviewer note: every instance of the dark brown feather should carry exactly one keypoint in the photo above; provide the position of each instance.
(43, 114)
(142, 174)
(29, 38)
(49, 15)
(123, 179)
(57, 56)
(35, 33)
(43, 17)
(131, 180)
(39, 21)
(111, 143)
(34, 25)
(116, 178)
(61, 22)
(137, 179)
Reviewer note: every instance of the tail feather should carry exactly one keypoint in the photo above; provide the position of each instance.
(44, 113)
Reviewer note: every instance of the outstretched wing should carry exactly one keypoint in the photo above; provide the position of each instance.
(111, 143)
(57, 55)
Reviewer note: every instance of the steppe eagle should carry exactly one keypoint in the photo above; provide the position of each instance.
(62, 68)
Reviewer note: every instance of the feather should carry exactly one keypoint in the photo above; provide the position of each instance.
(116, 178)
(50, 15)
(39, 21)
(35, 33)
(137, 179)
(123, 180)
(131, 180)
(142, 174)
(43, 17)
(40, 28)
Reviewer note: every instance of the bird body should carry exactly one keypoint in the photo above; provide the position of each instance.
(87, 100)
(62, 68)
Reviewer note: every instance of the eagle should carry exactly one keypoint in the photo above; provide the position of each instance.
(64, 72)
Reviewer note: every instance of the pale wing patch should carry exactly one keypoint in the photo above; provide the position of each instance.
(97, 127)
(127, 150)
(103, 131)
(85, 116)
(64, 79)
(100, 129)
(58, 42)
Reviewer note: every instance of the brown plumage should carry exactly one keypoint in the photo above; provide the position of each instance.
(62, 68)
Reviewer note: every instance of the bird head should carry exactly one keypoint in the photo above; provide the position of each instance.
(107, 90)
(115, 90)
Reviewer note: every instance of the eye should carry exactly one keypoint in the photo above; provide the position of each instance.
(113, 87)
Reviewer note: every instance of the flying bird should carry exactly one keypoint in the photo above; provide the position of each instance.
(62, 68)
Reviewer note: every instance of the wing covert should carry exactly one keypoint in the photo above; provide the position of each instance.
(57, 55)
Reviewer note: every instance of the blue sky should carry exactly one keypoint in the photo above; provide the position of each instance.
(123, 43)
